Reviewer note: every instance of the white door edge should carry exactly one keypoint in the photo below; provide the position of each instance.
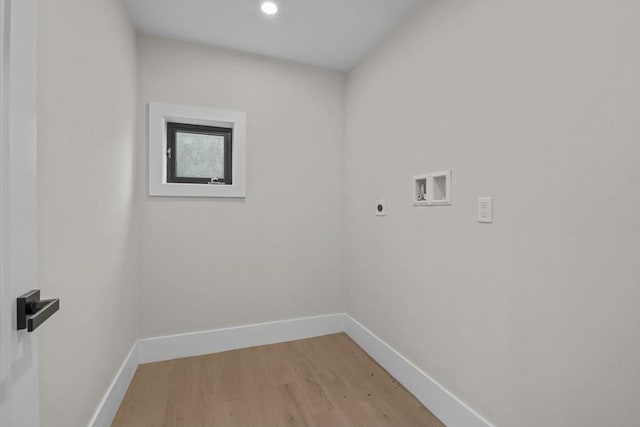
(19, 388)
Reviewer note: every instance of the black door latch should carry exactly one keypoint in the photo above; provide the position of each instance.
(32, 311)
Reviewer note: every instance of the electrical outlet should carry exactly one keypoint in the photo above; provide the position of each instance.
(485, 209)
(381, 208)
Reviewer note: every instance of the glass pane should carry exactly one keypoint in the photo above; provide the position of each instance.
(199, 156)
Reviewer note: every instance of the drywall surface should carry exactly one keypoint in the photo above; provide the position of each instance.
(87, 245)
(532, 320)
(277, 254)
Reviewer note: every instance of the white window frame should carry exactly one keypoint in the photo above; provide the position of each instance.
(160, 114)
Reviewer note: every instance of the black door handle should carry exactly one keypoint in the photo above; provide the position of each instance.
(32, 311)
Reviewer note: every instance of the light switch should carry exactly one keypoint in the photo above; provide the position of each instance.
(381, 208)
(485, 209)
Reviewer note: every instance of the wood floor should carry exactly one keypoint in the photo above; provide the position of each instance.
(325, 381)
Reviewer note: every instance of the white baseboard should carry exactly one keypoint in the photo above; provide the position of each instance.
(217, 340)
(448, 408)
(103, 417)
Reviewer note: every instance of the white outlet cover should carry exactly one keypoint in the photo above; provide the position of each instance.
(485, 209)
(381, 208)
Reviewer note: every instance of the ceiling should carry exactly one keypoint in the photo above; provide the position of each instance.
(329, 33)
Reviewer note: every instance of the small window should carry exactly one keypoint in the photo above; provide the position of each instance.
(192, 147)
(199, 154)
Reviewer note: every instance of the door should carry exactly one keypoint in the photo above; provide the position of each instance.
(19, 394)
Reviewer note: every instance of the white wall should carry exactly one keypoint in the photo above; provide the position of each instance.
(87, 218)
(278, 254)
(532, 320)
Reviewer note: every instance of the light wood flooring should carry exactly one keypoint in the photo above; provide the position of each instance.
(324, 381)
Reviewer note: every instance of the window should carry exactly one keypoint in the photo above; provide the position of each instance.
(196, 151)
(198, 154)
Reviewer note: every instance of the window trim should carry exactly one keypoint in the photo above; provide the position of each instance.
(160, 114)
(174, 128)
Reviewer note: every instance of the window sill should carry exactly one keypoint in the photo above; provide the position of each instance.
(169, 189)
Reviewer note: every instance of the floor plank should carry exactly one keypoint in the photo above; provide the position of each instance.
(323, 381)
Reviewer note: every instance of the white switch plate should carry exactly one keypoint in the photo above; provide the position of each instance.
(381, 208)
(485, 209)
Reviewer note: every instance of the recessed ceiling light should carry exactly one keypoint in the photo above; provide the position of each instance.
(269, 7)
